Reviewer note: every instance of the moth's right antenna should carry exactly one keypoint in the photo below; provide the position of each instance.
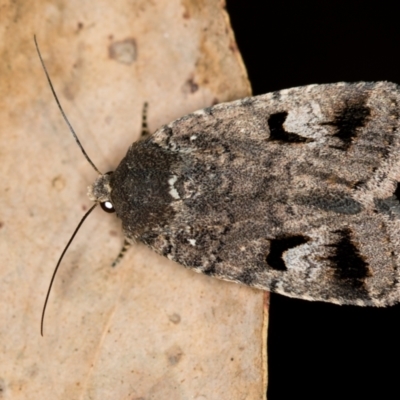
(62, 111)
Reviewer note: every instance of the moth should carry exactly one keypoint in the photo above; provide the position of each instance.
(294, 192)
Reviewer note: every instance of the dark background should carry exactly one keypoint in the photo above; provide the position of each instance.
(318, 350)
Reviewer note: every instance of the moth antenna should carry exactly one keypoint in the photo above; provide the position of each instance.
(61, 109)
(58, 264)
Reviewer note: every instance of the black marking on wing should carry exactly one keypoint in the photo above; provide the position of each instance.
(397, 191)
(278, 133)
(167, 250)
(279, 246)
(210, 271)
(350, 266)
(354, 114)
(273, 285)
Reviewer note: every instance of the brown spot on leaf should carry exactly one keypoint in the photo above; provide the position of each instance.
(123, 51)
(233, 46)
(2, 389)
(175, 318)
(190, 86)
(58, 183)
(174, 354)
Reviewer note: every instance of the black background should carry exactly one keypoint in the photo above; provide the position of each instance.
(318, 350)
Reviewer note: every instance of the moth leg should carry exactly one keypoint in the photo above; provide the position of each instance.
(125, 247)
(145, 127)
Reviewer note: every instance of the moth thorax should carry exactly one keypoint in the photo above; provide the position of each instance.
(100, 190)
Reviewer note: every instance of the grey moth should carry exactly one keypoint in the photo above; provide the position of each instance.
(295, 192)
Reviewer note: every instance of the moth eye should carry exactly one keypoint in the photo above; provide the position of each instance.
(107, 206)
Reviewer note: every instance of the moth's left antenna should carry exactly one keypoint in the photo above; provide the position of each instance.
(58, 264)
(62, 111)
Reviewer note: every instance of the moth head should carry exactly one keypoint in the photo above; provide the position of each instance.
(100, 192)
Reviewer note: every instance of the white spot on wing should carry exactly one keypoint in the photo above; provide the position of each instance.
(172, 191)
(192, 242)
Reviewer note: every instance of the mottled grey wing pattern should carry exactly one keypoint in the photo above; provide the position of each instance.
(294, 191)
